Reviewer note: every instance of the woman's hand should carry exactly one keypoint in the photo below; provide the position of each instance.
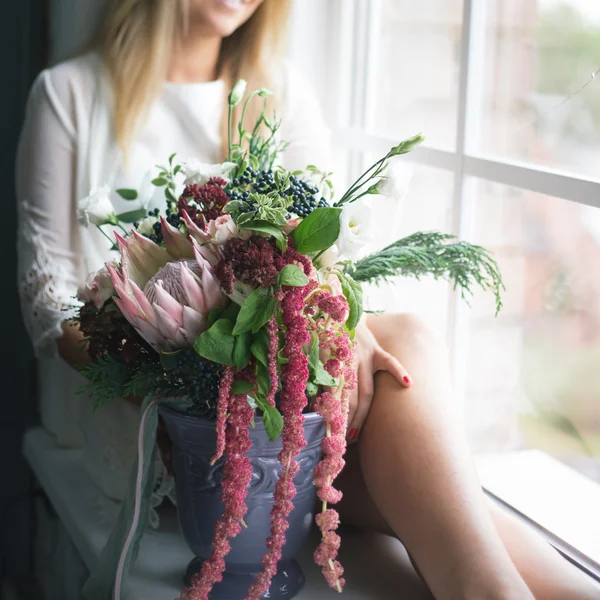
(371, 357)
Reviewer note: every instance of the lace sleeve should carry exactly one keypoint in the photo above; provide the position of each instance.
(47, 269)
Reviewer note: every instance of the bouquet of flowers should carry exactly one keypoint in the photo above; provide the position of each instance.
(242, 300)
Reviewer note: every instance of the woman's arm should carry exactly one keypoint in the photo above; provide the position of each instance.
(45, 182)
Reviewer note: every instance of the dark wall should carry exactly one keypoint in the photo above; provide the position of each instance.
(22, 55)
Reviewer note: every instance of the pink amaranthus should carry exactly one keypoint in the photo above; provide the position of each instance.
(237, 474)
(304, 312)
(293, 401)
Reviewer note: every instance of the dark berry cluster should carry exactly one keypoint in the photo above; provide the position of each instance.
(196, 378)
(303, 197)
(300, 192)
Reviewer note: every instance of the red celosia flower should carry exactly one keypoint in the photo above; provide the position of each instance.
(210, 199)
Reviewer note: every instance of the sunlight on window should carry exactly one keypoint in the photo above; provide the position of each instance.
(417, 69)
(533, 371)
(541, 83)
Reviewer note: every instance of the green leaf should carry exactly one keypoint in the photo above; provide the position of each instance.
(260, 347)
(214, 316)
(262, 379)
(319, 376)
(172, 157)
(217, 343)
(293, 276)
(257, 309)
(318, 231)
(132, 216)
(312, 389)
(159, 181)
(241, 349)
(168, 360)
(241, 387)
(244, 218)
(322, 377)
(273, 422)
(353, 292)
(264, 227)
(127, 194)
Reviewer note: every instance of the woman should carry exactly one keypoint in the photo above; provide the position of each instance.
(157, 85)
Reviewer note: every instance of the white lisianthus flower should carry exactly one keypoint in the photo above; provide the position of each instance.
(199, 173)
(146, 227)
(396, 178)
(96, 208)
(357, 230)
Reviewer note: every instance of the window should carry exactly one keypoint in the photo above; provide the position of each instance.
(507, 93)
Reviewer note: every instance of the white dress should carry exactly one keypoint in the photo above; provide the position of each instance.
(67, 147)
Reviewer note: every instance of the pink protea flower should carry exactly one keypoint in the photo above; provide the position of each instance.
(167, 301)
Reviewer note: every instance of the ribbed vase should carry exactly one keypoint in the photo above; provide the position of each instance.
(199, 502)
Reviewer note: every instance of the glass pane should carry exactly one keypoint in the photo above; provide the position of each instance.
(415, 72)
(427, 206)
(534, 380)
(541, 101)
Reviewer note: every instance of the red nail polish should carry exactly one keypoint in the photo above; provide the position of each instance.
(352, 434)
(407, 379)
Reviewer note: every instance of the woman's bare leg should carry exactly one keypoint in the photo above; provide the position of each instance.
(417, 468)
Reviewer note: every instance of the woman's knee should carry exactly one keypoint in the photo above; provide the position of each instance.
(403, 329)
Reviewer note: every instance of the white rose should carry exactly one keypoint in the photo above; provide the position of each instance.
(357, 231)
(199, 173)
(96, 208)
(222, 229)
(98, 287)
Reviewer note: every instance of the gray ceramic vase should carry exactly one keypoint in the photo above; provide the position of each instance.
(199, 502)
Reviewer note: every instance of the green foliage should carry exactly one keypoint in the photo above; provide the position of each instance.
(258, 308)
(132, 216)
(354, 295)
(463, 264)
(253, 148)
(217, 343)
(108, 377)
(127, 194)
(293, 276)
(319, 231)
(368, 182)
(271, 417)
(260, 347)
(241, 387)
(317, 372)
(166, 178)
(266, 227)
(146, 380)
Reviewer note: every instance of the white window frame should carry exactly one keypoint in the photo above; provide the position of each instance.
(354, 78)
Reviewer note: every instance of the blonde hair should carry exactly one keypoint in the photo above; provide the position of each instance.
(136, 41)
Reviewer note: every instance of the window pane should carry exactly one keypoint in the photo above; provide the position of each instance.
(533, 378)
(540, 100)
(427, 206)
(415, 70)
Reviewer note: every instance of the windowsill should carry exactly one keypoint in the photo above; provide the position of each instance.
(377, 567)
(557, 501)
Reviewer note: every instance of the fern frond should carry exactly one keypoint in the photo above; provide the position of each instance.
(436, 254)
(107, 376)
